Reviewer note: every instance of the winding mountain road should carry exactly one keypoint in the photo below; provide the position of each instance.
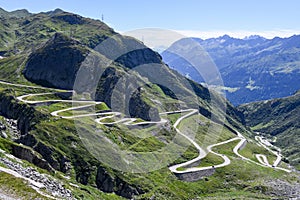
(266, 144)
(131, 121)
(107, 115)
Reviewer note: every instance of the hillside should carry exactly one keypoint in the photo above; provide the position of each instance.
(87, 113)
(278, 118)
(252, 69)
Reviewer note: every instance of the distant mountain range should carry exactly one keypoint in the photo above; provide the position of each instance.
(45, 55)
(253, 68)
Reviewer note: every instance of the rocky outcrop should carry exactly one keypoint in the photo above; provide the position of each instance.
(126, 190)
(20, 151)
(138, 107)
(108, 183)
(12, 128)
(54, 158)
(24, 114)
(69, 18)
(139, 57)
(56, 63)
(121, 96)
(25, 153)
(104, 181)
(85, 171)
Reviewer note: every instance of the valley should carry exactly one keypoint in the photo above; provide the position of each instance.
(88, 113)
(253, 69)
(182, 171)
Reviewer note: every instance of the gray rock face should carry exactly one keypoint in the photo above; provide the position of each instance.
(23, 152)
(124, 95)
(21, 119)
(126, 190)
(138, 107)
(139, 57)
(69, 18)
(107, 183)
(55, 64)
(23, 114)
(58, 162)
(30, 156)
(104, 181)
(11, 128)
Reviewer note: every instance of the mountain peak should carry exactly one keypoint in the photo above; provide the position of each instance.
(253, 37)
(16, 13)
(225, 37)
(2, 10)
(55, 12)
(58, 10)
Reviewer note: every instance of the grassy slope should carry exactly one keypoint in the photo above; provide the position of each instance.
(61, 134)
(280, 118)
(230, 180)
(16, 187)
(20, 36)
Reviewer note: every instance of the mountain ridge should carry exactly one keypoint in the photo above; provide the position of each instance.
(21, 13)
(44, 125)
(277, 117)
(245, 65)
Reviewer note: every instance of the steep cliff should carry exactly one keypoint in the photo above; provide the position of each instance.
(56, 63)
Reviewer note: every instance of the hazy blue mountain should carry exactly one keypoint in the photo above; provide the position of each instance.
(257, 68)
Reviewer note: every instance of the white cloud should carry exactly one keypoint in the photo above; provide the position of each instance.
(154, 37)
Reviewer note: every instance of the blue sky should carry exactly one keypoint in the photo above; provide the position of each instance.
(192, 17)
